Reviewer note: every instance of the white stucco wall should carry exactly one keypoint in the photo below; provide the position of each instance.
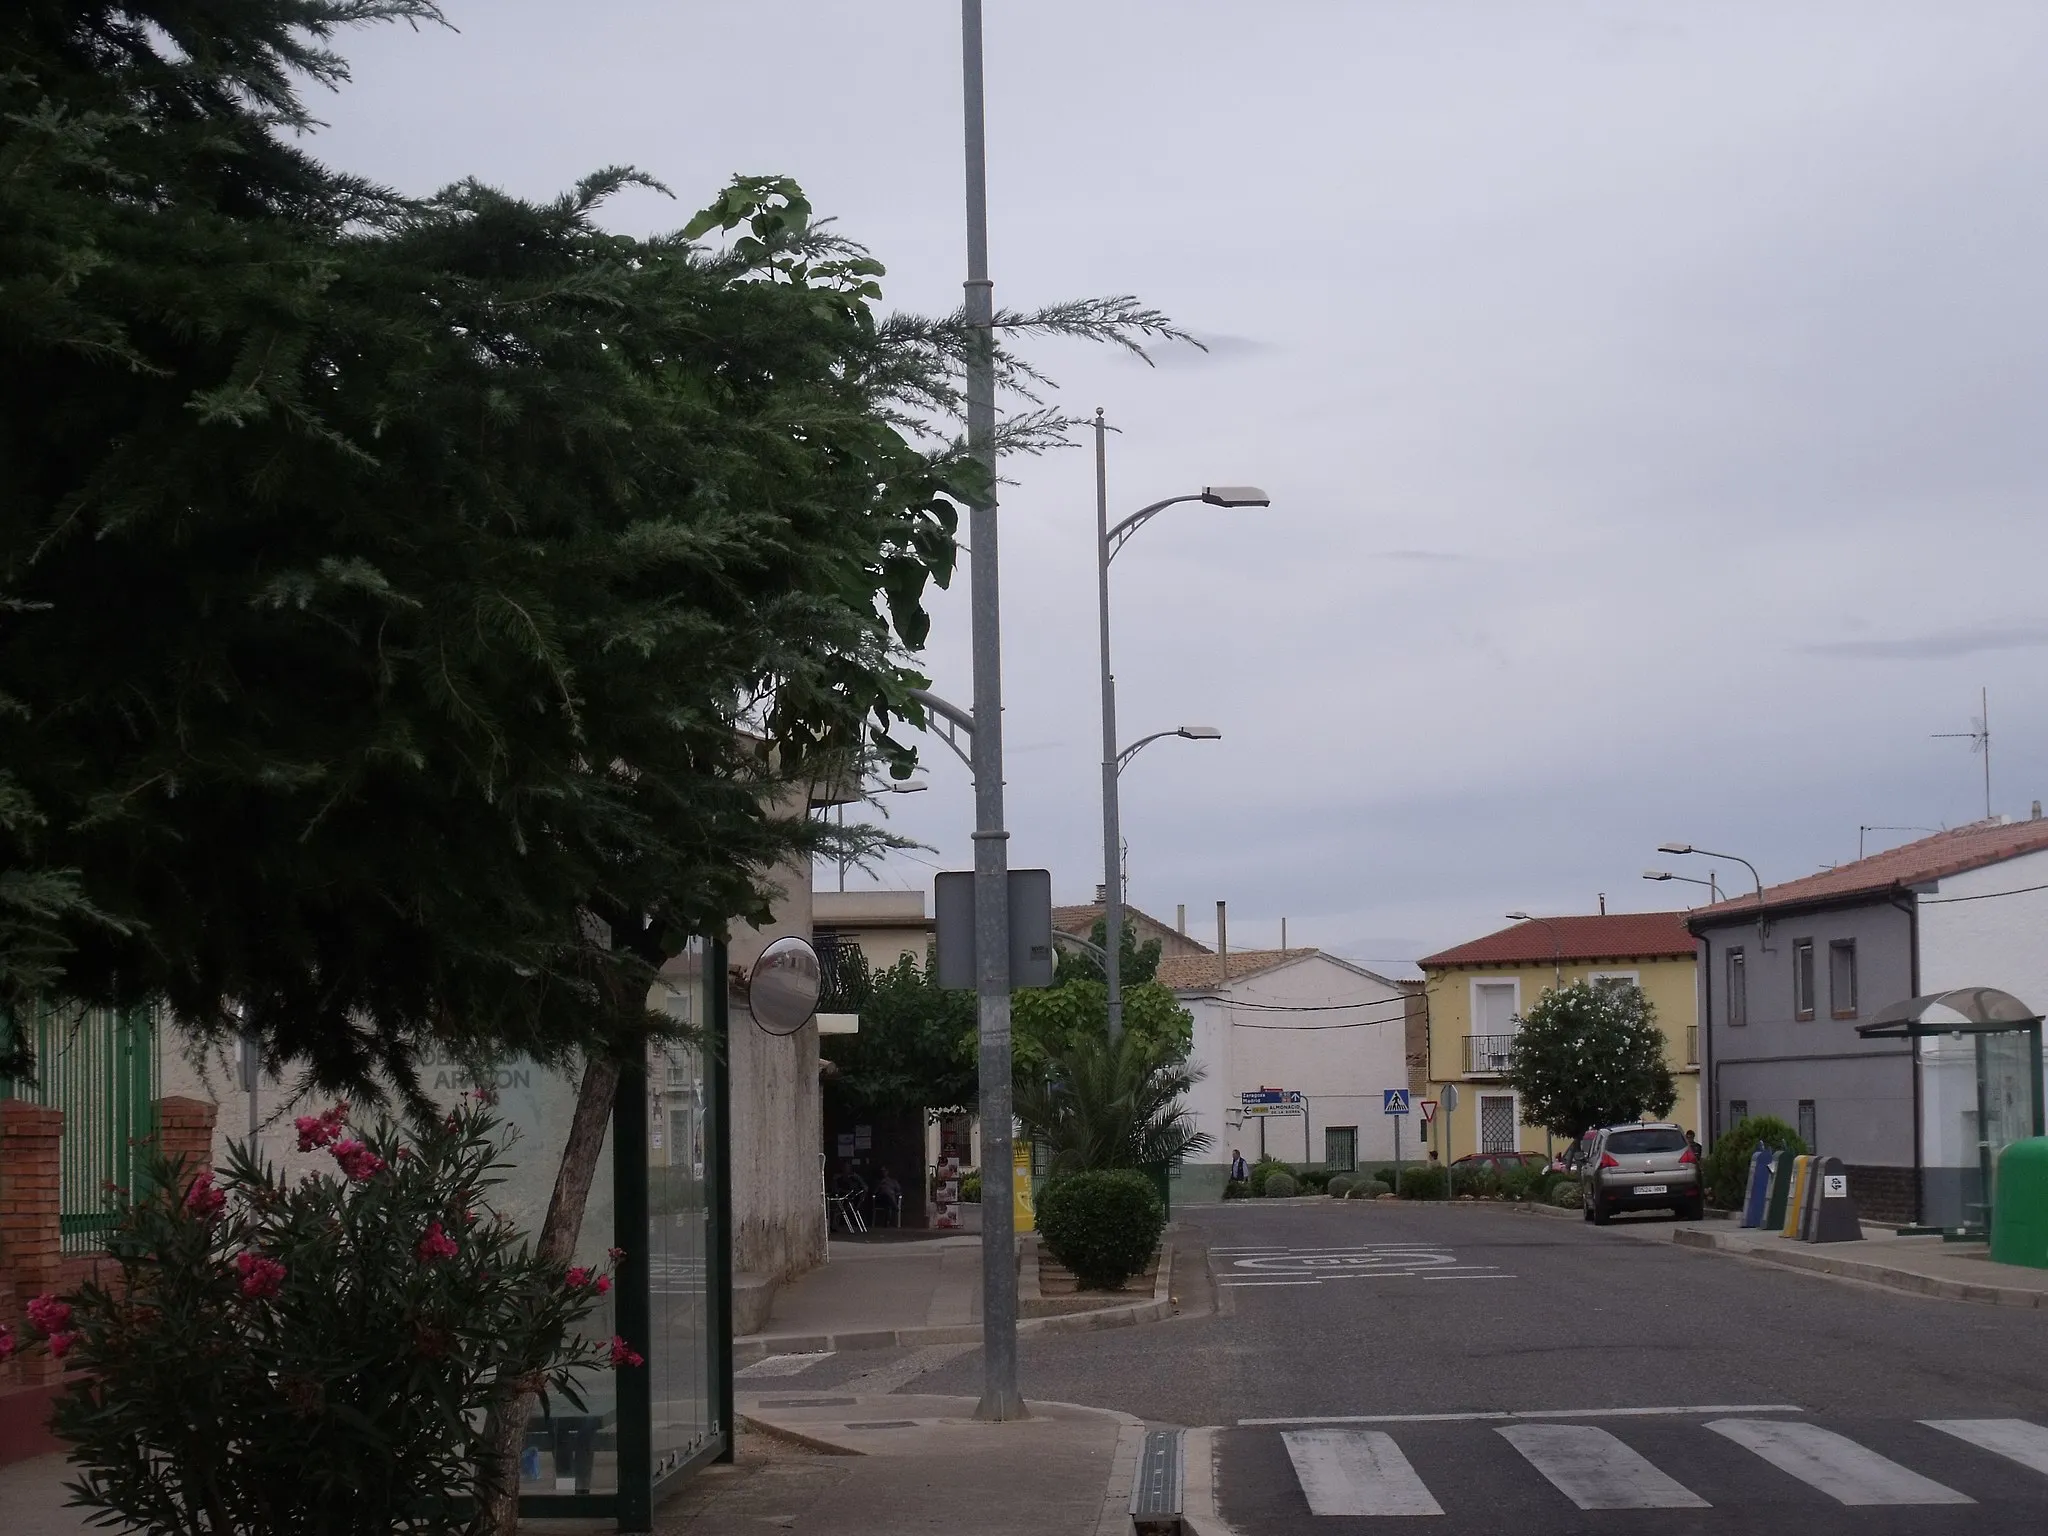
(1334, 1055)
(1996, 942)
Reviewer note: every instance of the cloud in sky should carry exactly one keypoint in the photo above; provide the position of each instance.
(1699, 340)
(1941, 646)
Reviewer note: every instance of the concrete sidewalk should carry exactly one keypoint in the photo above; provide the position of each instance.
(1926, 1266)
(883, 1465)
(876, 1295)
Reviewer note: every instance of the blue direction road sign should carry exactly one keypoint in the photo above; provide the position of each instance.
(1394, 1101)
(1273, 1101)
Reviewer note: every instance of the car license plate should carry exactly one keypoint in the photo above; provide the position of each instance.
(1653, 1189)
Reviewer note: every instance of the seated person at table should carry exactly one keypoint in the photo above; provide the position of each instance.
(889, 1195)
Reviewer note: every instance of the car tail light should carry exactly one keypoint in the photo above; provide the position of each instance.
(1607, 1160)
(1689, 1155)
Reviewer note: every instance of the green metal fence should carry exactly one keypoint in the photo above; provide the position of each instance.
(100, 1066)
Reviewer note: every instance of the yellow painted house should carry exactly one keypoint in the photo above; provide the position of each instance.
(1476, 994)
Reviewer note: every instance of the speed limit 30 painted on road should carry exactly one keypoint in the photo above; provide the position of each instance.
(1239, 1267)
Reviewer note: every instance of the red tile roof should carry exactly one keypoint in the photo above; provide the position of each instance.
(1600, 936)
(1195, 973)
(1917, 863)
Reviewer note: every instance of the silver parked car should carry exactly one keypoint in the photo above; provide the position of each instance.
(1641, 1168)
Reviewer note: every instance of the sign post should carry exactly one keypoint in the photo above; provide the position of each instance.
(1448, 1102)
(1394, 1101)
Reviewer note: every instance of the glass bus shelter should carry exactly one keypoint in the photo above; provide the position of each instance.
(668, 1205)
(1977, 1065)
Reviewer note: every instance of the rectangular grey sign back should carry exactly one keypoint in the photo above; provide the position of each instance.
(1031, 957)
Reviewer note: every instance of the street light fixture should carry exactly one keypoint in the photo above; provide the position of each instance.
(1733, 858)
(1108, 541)
(869, 792)
(1713, 886)
(1185, 732)
(1556, 944)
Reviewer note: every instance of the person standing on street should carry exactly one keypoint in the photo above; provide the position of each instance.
(1238, 1172)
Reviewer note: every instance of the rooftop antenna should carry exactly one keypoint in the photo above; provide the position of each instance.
(1979, 736)
(1873, 826)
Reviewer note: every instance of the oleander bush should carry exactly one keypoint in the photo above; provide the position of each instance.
(1103, 1224)
(1422, 1183)
(319, 1357)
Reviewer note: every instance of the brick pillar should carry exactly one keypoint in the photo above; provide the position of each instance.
(184, 1131)
(31, 1243)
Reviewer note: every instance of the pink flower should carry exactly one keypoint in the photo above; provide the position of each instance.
(435, 1244)
(261, 1277)
(615, 1254)
(624, 1354)
(48, 1314)
(6, 1342)
(318, 1131)
(603, 1284)
(578, 1278)
(202, 1199)
(60, 1345)
(357, 1160)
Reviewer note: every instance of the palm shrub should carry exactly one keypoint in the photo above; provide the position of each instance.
(1114, 1106)
(1101, 1223)
(1727, 1170)
(317, 1357)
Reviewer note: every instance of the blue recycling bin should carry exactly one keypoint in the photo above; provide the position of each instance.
(1759, 1191)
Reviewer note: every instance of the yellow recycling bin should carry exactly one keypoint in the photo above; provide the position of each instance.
(1802, 1169)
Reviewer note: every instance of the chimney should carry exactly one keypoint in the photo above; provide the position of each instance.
(1102, 892)
(1283, 933)
(1603, 903)
(1180, 910)
(2037, 810)
(1222, 948)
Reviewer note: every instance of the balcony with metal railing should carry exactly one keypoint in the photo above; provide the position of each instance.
(1488, 1055)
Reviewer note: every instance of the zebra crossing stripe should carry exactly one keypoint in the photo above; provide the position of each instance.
(1846, 1472)
(783, 1365)
(1356, 1472)
(1595, 1470)
(2014, 1439)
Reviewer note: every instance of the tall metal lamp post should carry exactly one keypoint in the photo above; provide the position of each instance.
(1108, 540)
(1000, 1398)
(1733, 858)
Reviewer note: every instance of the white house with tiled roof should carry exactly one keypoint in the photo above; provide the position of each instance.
(1292, 1019)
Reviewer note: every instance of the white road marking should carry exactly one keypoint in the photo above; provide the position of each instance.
(1519, 1413)
(784, 1365)
(1472, 1277)
(1257, 1285)
(1596, 1471)
(2014, 1439)
(1846, 1472)
(1356, 1472)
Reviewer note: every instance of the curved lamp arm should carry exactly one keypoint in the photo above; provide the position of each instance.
(1191, 732)
(1215, 495)
(949, 722)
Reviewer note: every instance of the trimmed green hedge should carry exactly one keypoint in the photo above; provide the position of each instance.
(1727, 1170)
(1280, 1186)
(1103, 1225)
(1422, 1183)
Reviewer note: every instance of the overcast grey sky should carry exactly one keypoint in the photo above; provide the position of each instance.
(1650, 395)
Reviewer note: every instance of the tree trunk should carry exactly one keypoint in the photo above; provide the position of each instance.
(505, 1429)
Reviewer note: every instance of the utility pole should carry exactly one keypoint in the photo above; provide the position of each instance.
(1000, 1399)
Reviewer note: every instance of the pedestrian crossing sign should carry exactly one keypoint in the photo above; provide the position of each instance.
(1394, 1101)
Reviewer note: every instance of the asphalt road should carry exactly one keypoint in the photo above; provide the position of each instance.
(1761, 1399)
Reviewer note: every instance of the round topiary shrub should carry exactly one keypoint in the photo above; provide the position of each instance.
(1339, 1186)
(1423, 1183)
(1263, 1170)
(1372, 1189)
(1564, 1194)
(1280, 1186)
(1103, 1225)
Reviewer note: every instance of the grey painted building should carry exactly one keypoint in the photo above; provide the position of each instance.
(1785, 985)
